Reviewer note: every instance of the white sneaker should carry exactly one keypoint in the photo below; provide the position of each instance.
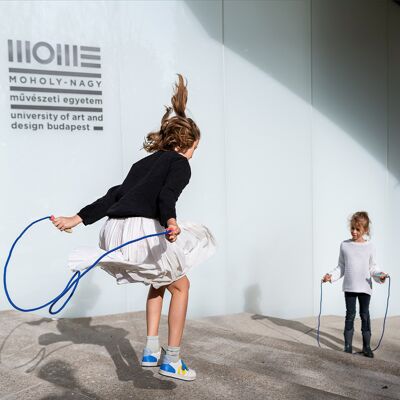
(150, 359)
(177, 370)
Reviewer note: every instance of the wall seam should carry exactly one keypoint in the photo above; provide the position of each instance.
(312, 161)
(386, 200)
(225, 140)
(121, 131)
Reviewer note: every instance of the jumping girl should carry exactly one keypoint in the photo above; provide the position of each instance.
(145, 204)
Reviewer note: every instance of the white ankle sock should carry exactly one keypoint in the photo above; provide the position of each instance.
(173, 353)
(153, 343)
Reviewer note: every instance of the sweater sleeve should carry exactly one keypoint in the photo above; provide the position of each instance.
(373, 269)
(98, 209)
(178, 177)
(338, 272)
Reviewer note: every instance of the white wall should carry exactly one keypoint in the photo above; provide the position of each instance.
(143, 45)
(349, 131)
(296, 100)
(151, 54)
(392, 234)
(269, 192)
(306, 88)
(52, 173)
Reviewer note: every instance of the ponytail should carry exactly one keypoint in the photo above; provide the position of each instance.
(178, 132)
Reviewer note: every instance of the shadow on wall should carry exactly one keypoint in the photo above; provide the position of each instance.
(345, 63)
(252, 298)
(79, 331)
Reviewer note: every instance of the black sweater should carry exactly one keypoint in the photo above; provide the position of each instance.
(150, 190)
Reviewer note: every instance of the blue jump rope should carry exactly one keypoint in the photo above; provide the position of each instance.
(384, 319)
(77, 276)
(72, 283)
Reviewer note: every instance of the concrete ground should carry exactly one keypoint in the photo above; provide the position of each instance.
(241, 356)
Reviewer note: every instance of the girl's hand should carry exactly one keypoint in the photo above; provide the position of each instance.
(63, 223)
(327, 278)
(174, 230)
(383, 277)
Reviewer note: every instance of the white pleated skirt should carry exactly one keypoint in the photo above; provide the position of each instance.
(153, 261)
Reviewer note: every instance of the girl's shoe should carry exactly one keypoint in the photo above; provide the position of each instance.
(177, 370)
(368, 352)
(366, 345)
(150, 359)
(348, 341)
(348, 349)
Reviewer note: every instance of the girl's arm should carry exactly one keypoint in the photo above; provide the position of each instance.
(98, 209)
(373, 268)
(338, 272)
(90, 213)
(177, 179)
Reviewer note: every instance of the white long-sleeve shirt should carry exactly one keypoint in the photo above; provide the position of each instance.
(357, 265)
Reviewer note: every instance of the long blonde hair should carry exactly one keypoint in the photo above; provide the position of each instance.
(177, 132)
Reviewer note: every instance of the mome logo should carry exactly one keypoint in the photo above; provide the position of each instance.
(59, 54)
(51, 88)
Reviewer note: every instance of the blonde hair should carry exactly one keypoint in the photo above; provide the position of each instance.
(361, 218)
(178, 132)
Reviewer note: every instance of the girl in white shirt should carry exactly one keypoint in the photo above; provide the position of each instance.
(357, 266)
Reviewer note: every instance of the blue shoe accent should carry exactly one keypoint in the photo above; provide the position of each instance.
(177, 370)
(149, 359)
(167, 368)
(184, 367)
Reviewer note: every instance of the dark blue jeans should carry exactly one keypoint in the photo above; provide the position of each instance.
(363, 300)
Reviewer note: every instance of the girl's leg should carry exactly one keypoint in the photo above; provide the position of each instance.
(153, 310)
(364, 300)
(177, 310)
(349, 322)
(172, 364)
(351, 299)
(152, 352)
